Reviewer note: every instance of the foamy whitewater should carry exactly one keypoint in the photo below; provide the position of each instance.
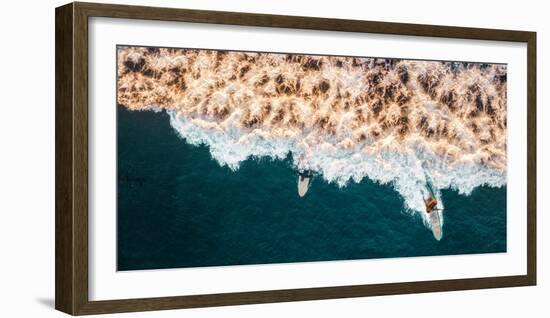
(398, 122)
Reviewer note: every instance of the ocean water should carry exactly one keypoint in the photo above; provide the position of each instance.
(177, 207)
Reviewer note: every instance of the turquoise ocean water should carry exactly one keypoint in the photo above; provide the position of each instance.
(178, 208)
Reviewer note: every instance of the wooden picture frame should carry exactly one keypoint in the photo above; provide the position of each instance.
(71, 122)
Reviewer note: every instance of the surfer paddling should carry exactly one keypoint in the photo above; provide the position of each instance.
(303, 177)
(303, 182)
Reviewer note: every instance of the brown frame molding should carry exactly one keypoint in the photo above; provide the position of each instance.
(71, 158)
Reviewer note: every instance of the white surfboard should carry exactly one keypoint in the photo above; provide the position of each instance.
(435, 216)
(436, 222)
(303, 185)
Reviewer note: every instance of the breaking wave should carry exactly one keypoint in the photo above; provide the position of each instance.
(406, 171)
(400, 122)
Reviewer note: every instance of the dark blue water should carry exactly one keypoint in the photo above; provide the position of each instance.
(178, 208)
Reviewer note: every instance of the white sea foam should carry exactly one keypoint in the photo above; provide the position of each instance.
(406, 170)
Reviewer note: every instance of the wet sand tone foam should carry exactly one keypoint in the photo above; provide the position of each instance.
(391, 120)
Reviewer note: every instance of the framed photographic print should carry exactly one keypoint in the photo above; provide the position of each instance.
(219, 158)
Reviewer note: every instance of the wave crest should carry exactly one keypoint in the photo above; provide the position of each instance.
(405, 170)
(394, 121)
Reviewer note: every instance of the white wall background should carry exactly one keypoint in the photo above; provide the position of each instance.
(27, 159)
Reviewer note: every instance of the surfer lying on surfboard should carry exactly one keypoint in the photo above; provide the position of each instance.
(303, 174)
(303, 182)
